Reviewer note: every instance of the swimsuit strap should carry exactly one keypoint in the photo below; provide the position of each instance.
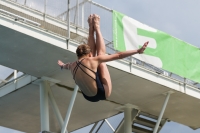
(74, 72)
(78, 66)
(88, 68)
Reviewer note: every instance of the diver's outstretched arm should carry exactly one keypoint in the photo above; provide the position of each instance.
(120, 55)
(63, 65)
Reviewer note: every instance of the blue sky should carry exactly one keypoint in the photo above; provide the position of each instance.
(179, 18)
(7, 130)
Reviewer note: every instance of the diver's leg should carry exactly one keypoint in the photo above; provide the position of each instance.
(100, 45)
(101, 50)
(91, 41)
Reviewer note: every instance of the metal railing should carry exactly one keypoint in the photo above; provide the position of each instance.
(12, 80)
(79, 12)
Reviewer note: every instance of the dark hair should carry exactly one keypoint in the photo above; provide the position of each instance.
(82, 50)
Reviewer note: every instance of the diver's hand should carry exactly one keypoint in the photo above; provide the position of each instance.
(141, 50)
(61, 64)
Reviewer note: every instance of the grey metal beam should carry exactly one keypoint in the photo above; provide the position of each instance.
(44, 108)
(55, 108)
(64, 127)
(162, 112)
(100, 126)
(92, 129)
(110, 125)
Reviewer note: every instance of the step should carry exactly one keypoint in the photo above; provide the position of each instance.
(47, 132)
(137, 129)
(145, 122)
(148, 115)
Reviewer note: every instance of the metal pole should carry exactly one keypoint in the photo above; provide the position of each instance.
(44, 107)
(15, 74)
(68, 16)
(25, 2)
(131, 63)
(82, 16)
(45, 9)
(98, 5)
(161, 113)
(55, 107)
(110, 125)
(64, 127)
(78, 13)
(93, 127)
(100, 126)
(127, 120)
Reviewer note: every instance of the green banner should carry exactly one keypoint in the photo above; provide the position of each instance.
(163, 51)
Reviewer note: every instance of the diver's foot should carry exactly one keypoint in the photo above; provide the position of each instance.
(96, 21)
(90, 21)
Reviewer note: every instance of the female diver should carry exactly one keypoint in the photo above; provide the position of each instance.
(90, 71)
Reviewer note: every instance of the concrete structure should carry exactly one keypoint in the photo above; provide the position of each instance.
(33, 47)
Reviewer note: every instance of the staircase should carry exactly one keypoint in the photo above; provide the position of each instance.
(142, 123)
(145, 123)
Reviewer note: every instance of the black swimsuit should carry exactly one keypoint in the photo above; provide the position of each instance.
(100, 89)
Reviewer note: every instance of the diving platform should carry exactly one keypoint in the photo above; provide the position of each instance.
(32, 44)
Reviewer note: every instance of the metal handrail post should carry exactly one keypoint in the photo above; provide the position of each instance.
(45, 9)
(78, 14)
(68, 19)
(64, 127)
(82, 20)
(15, 74)
(15, 77)
(25, 2)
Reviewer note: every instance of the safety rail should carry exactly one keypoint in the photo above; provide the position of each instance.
(79, 11)
(18, 18)
(16, 84)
